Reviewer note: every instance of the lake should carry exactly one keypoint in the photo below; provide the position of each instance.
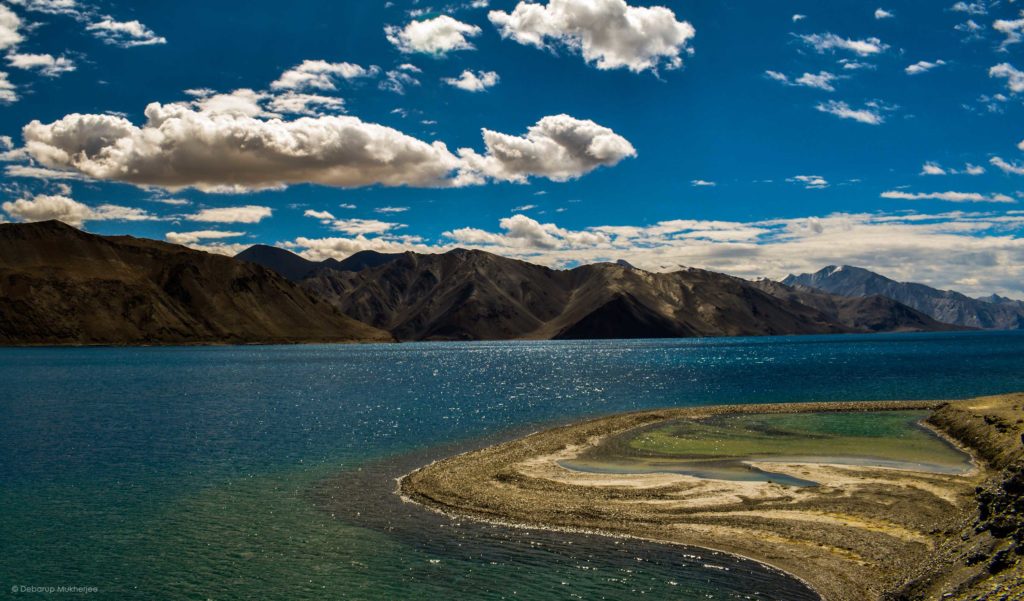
(268, 471)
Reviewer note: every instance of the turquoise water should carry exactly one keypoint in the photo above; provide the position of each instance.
(266, 472)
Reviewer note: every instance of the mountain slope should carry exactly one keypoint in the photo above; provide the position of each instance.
(943, 305)
(473, 295)
(59, 285)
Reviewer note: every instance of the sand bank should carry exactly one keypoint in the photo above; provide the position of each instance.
(862, 533)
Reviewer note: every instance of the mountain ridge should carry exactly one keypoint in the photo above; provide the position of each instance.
(947, 306)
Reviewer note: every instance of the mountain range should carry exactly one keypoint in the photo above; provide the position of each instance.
(992, 312)
(59, 285)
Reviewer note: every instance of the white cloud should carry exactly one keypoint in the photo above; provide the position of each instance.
(923, 66)
(1013, 29)
(125, 34)
(609, 33)
(798, 17)
(881, 13)
(347, 205)
(181, 146)
(524, 208)
(364, 226)
(318, 249)
(702, 182)
(10, 24)
(8, 91)
(811, 182)
(831, 42)
(243, 214)
(437, 36)
(973, 8)
(320, 75)
(558, 147)
(522, 232)
(933, 168)
(224, 143)
(1013, 76)
(53, 7)
(396, 80)
(391, 209)
(473, 82)
(850, 64)
(189, 238)
(1014, 167)
(296, 103)
(822, 80)
(947, 196)
(43, 207)
(869, 114)
(47, 64)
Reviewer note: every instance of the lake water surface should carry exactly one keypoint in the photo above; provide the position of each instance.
(267, 472)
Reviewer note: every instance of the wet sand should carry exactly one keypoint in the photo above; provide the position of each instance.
(862, 533)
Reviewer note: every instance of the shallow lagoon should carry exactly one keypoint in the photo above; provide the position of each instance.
(724, 446)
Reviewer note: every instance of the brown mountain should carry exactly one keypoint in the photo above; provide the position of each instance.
(475, 295)
(59, 285)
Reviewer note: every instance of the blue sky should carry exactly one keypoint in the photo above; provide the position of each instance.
(755, 138)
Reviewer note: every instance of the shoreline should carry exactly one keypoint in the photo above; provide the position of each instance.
(817, 539)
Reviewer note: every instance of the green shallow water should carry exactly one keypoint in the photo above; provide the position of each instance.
(720, 447)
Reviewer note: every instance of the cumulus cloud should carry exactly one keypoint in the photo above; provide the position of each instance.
(1013, 29)
(947, 196)
(473, 82)
(297, 103)
(47, 64)
(188, 238)
(702, 182)
(53, 7)
(124, 34)
(8, 91)
(522, 232)
(231, 143)
(1007, 167)
(437, 36)
(353, 226)
(558, 147)
(609, 33)
(972, 8)
(1013, 76)
(823, 42)
(933, 168)
(798, 17)
(822, 80)
(243, 214)
(211, 147)
(320, 75)
(43, 207)
(10, 25)
(881, 13)
(811, 182)
(870, 114)
(923, 66)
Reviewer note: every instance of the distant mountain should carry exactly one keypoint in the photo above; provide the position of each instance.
(473, 295)
(875, 313)
(296, 268)
(943, 305)
(59, 285)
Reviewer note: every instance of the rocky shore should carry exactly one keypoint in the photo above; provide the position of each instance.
(862, 533)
